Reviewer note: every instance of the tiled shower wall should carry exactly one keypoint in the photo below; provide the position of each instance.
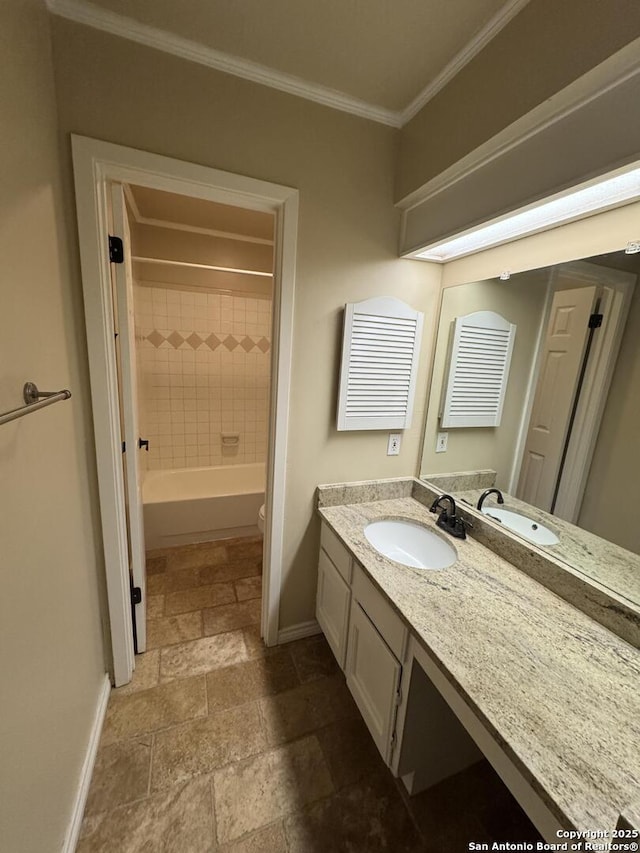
(204, 363)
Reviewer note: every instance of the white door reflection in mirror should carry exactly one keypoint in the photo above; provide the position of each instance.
(561, 363)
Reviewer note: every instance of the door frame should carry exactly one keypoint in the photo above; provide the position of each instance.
(96, 164)
(616, 291)
(122, 282)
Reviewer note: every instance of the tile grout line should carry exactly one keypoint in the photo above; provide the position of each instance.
(151, 755)
(263, 722)
(295, 667)
(206, 695)
(153, 733)
(159, 673)
(214, 827)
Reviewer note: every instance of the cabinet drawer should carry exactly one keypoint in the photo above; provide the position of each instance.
(383, 616)
(373, 677)
(334, 548)
(332, 607)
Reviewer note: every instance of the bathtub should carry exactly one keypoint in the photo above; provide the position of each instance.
(188, 505)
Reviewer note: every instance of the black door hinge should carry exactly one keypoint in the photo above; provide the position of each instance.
(116, 250)
(124, 446)
(136, 595)
(595, 321)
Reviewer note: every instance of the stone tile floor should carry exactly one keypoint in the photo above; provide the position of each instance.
(220, 744)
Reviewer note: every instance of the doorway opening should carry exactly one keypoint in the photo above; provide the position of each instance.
(190, 272)
(200, 277)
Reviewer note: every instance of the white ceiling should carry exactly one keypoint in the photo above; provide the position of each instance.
(382, 57)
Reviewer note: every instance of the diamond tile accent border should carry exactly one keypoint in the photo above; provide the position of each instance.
(155, 338)
(175, 339)
(194, 340)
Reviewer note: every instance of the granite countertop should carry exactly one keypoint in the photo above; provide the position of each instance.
(610, 565)
(557, 690)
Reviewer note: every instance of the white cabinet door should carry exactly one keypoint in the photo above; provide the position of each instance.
(332, 607)
(373, 677)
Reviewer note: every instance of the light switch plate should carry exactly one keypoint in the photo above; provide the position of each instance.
(393, 447)
(442, 440)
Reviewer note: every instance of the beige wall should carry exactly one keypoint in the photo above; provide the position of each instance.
(544, 48)
(520, 301)
(51, 648)
(347, 240)
(610, 505)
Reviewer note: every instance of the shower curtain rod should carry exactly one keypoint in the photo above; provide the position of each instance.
(201, 266)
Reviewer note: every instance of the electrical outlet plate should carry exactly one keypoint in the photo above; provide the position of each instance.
(393, 446)
(441, 442)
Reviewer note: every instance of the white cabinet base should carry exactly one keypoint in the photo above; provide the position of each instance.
(373, 677)
(332, 607)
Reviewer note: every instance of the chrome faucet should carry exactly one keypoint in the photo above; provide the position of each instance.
(486, 494)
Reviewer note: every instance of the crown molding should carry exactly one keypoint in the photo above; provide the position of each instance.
(109, 22)
(86, 13)
(468, 52)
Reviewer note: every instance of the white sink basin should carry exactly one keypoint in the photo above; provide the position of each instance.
(410, 544)
(523, 526)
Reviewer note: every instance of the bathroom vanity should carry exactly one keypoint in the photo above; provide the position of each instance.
(478, 658)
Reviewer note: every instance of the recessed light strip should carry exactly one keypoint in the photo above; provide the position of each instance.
(611, 190)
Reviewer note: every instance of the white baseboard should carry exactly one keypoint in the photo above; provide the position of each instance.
(73, 831)
(299, 631)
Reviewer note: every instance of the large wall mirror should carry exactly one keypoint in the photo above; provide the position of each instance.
(566, 452)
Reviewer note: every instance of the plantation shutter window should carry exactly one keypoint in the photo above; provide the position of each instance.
(478, 370)
(380, 351)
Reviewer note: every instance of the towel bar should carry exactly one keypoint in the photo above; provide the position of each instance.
(34, 400)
